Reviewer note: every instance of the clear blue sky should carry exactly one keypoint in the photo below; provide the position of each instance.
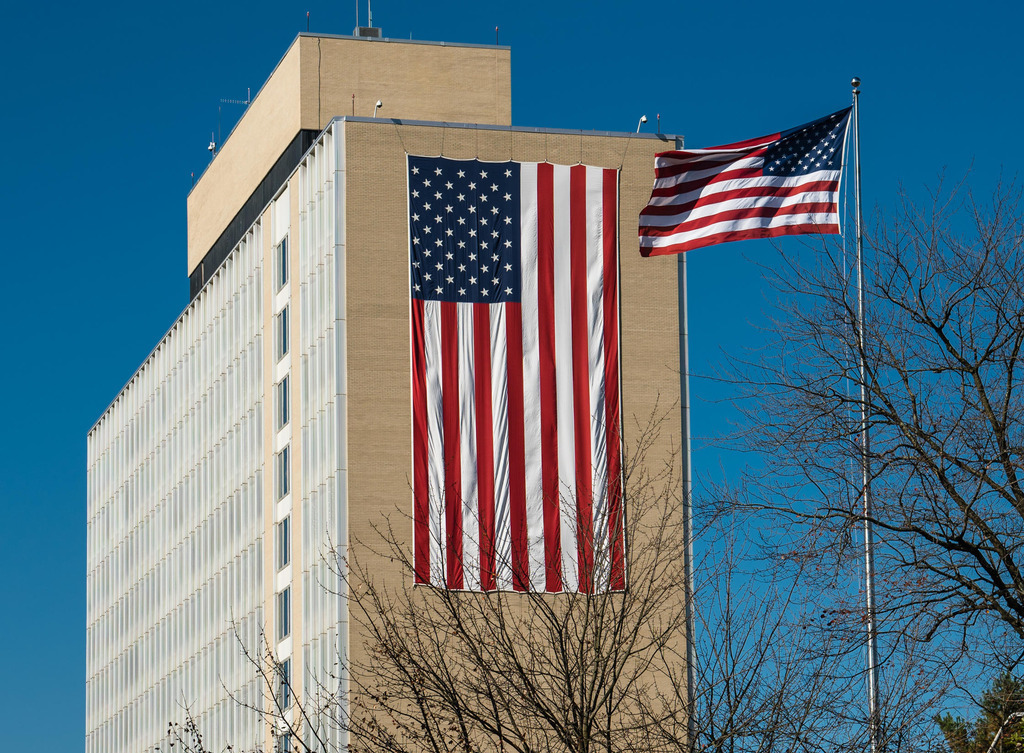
(107, 108)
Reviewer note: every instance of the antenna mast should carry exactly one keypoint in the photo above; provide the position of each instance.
(246, 103)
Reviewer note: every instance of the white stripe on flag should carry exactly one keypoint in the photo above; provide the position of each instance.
(467, 451)
(499, 417)
(734, 204)
(435, 445)
(686, 177)
(726, 226)
(723, 186)
(595, 331)
(531, 379)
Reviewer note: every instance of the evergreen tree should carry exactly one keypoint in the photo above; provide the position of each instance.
(998, 703)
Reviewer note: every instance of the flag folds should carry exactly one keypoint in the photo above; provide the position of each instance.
(782, 184)
(515, 376)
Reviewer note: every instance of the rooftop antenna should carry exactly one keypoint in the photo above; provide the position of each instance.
(248, 100)
(495, 36)
(659, 122)
(368, 31)
(307, 21)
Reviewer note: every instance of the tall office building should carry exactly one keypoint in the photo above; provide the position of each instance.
(274, 419)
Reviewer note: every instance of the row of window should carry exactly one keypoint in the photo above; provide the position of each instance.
(281, 322)
(282, 485)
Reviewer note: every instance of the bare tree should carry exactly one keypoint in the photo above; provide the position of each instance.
(458, 671)
(449, 671)
(943, 345)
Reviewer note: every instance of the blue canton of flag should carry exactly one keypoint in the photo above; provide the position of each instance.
(464, 230)
(815, 146)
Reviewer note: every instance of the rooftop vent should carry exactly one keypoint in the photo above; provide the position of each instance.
(367, 31)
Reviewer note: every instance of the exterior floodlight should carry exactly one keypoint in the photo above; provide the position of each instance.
(643, 119)
(377, 107)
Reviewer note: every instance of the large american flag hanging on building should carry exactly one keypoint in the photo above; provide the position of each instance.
(515, 375)
(782, 184)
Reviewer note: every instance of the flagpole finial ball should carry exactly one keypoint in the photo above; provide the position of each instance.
(855, 82)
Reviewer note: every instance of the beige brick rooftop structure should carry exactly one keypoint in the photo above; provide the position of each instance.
(321, 77)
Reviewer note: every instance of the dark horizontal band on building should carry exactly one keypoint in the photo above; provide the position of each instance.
(251, 210)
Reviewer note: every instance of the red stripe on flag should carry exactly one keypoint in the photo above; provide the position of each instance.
(735, 146)
(548, 390)
(663, 173)
(673, 189)
(452, 453)
(484, 441)
(421, 488)
(738, 235)
(739, 193)
(764, 212)
(581, 374)
(516, 446)
(615, 546)
(680, 162)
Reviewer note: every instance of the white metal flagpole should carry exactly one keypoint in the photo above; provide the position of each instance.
(687, 486)
(874, 719)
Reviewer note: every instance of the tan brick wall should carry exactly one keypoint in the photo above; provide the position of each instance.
(315, 81)
(268, 126)
(379, 417)
(415, 81)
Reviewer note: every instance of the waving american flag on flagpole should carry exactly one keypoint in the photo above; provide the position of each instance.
(782, 184)
(515, 376)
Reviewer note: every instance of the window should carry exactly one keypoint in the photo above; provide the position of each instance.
(281, 257)
(284, 688)
(284, 615)
(281, 472)
(282, 333)
(284, 554)
(282, 403)
(284, 743)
